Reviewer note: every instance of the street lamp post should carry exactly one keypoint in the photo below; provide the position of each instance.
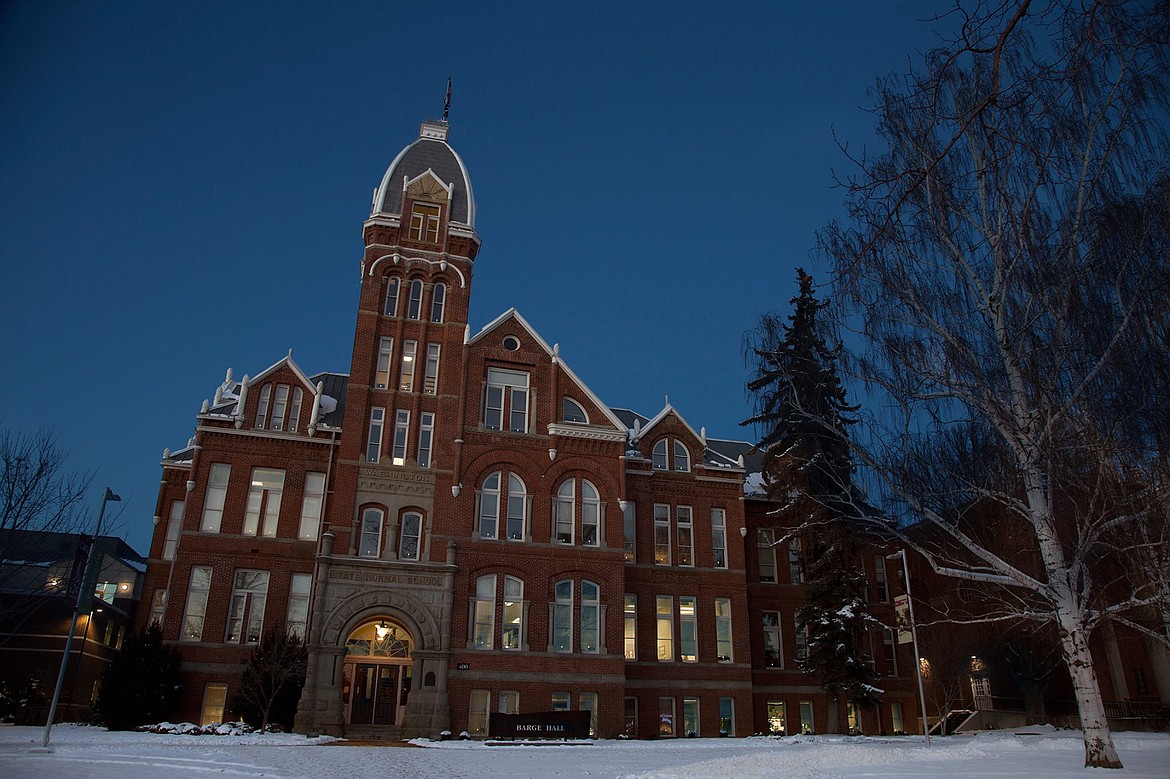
(82, 597)
(914, 637)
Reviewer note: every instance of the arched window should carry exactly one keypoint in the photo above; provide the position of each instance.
(408, 541)
(590, 617)
(483, 624)
(565, 516)
(262, 409)
(658, 456)
(590, 514)
(515, 504)
(414, 303)
(279, 406)
(371, 537)
(682, 457)
(512, 626)
(438, 301)
(562, 617)
(565, 509)
(390, 308)
(572, 412)
(294, 414)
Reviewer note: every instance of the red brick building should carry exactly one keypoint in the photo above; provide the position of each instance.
(487, 535)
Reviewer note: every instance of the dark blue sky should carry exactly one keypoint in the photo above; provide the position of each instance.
(182, 188)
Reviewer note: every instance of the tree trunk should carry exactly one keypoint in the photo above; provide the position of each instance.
(833, 716)
(1099, 749)
(1035, 712)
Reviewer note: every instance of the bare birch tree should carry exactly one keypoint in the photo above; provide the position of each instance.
(1006, 263)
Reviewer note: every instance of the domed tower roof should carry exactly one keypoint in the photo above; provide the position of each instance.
(430, 152)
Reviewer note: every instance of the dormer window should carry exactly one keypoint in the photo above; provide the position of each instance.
(667, 449)
(572, 412)
(278, 403)
(424, 223)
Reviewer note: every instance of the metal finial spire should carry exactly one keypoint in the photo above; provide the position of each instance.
(447, 101)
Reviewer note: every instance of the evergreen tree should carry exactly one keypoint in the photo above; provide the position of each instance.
(272, 682)
(804, 415)
(142, 685)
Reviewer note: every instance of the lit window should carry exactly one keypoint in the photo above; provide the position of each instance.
(385, 358)
(664, 607)
(666, 716)
(766, 547)
(414, 300)
(506, 399)
(390, 308)
(409, 351)
(214, 700)
(401, 432)
(572, 412)
(217, 484)
(691, 717)
(174, 525)
(264, 493)
(631, 627)
(438, 301)
(483, 624)
(374, 440)
(630, 530)
(197, 593)
(685, 535)
(431, 370)
(661, 534)
(408, 541)
(246, 610)
(719, 537)
(590, 617)
(299, 587)
(426, 434)
(773, 645)
(158, 605)
(562, 622)
(688, 630)
(424, 223)
(311, 506)
(587, 701)
(806, 717)
(723, 630)
(477, 712)
(512, 626)
(897, 720)
(371, 538)
(776, 726)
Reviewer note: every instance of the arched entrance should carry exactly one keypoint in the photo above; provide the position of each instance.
(377, 673)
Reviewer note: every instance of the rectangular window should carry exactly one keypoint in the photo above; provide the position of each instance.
(264, 494)
(374, 439)
(562, 617)
(409, 352)
(664, 606)
(773, 643)
(174, 525)
(690, 721)
(311, 506)
(477, 712)
(889, 642)
(484, 610)
(297, 619)
(560, 701)
(246, 610)
(631, 627)
(506, 398)
(424, 223)
(370, 543)
(158, 604)
(795, 562)
(408, 538)
(214, 699)
(512, 631)
(509, 702)
(776, 717)
(385, 360)
(853, 718)
(587, 701)
(196, 613)
(688, 631)
(590, 617)
(801, 641)
(401, 432)
(630, 529)
(630, 717)
(426, 435)
(686, 536)
(727, 716)
(661, 534)
(719, 537)
(563, 506)
(766, 546)
(897, 720)
(431, 370)
(723, 630)
(879, 575)
(279, 406)
(391, 306)
(217, 483)
(806, 718)
(666, 717)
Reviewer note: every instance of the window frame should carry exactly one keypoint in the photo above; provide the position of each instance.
(409, 358)
(724, 632)
(662, 534)
(688, 629)
(384, 364)
(483, 613)
(174, 528)
(431, 369)
(312, 506)
(630, 530)
(571, 408)
(630, 626)
(664, 632)
(766, 555)
(390, 298)
(513, 639)
(297, 611)
(426, 439)
(414, 297)
(685, 532)
(263, 502)
(365, 533)
(719, 537)
(403, 535)
(195, 609)
(438, 302)
(399, 444)
(771, 623)
(561, 621)
(246, 606)
(425, 219)
(374, 434)
(590, 618)
(215, 497)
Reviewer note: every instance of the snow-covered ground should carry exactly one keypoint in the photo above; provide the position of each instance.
(1033, 753)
